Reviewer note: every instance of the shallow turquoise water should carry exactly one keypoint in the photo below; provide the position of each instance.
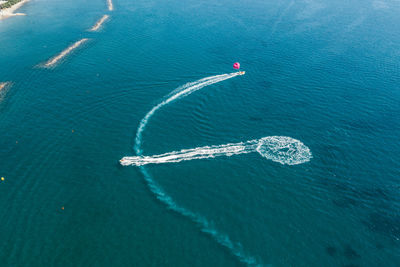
(325, 73)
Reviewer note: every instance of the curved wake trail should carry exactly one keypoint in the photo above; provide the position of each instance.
(157, 190)
(180, 92)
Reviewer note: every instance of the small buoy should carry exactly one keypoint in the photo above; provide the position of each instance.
(16, 142)
(2, 178)
(73, 130)
(62, 208)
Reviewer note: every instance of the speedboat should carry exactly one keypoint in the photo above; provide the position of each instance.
(242, 72)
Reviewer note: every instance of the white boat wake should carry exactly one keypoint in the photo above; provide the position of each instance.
(180, 92)
(282, 149)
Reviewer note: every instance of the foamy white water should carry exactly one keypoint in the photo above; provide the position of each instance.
(282, 149)
(224, 240)
(180, 92)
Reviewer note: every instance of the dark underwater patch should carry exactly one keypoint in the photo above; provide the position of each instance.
(348, 195)
(384, 223)
(350, 253)
(345, 202)
(266, 84)
(255, 118)
(331, 251)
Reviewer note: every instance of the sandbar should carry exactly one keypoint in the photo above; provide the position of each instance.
(3, 85)
(110, 5)
(64, 53)
(99, 23)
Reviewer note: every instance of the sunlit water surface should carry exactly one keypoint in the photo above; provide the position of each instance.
(323, 72)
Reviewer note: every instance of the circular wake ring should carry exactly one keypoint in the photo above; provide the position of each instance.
(283, 149)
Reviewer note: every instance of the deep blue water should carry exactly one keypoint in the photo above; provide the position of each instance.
(324, 72)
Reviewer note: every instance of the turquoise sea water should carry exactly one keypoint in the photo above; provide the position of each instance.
(325, 73)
